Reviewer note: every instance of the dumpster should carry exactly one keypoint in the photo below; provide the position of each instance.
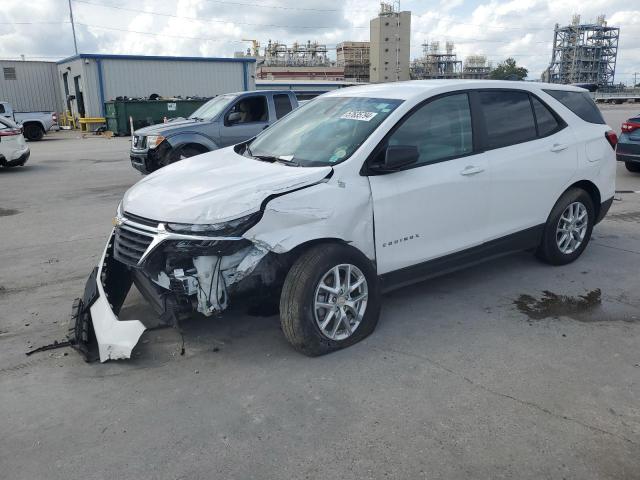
(146, 112)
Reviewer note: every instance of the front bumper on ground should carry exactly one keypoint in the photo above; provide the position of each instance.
(95, 324)
(20, 160)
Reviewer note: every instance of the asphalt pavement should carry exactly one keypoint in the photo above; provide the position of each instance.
(510, 369)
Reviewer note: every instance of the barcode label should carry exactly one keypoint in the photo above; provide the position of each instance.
(358, 115)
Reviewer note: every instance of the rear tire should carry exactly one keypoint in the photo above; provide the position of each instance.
(568, 228)
(305, 289)
(632, 167)
(33, 132)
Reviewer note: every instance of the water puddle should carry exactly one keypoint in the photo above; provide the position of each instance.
(7, 212)
(583, 308)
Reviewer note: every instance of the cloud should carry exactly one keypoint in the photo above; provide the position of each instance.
(496, 28)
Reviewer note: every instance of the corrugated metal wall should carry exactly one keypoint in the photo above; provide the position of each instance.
(35, 87)
(139, 77)
(135, 78)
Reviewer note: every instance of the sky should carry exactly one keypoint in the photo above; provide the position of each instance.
(523, 29)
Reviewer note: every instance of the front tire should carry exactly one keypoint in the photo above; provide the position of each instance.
(632, 167)
(568, 228)
(330, 299)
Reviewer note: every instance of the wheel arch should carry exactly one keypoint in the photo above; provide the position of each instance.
(289, 257)
(194, 140)
(593, 191)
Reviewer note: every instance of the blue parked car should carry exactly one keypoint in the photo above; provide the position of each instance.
(628, 150)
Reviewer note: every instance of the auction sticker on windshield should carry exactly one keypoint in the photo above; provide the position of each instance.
(358, 115)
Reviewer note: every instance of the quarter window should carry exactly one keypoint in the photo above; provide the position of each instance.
(547, 123)
(283, 105)
(441, 129)
(579, 103)
(507, 117)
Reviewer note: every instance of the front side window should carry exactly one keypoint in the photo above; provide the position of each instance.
(441, 129)
(507, 117)
(249, 110)
(325, 131)
(579, 103)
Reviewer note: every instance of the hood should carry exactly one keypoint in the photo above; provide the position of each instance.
(167, 128)
(214, 187)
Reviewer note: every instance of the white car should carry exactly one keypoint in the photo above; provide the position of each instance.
(14, 151)
(357, 192)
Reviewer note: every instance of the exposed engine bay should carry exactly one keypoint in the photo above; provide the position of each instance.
(177, 273)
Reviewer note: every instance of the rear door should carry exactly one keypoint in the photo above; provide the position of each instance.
(439, 205)
(245, 118)
(281, 105)
(532, 155)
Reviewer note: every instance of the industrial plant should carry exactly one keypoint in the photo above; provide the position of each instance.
(584, 53)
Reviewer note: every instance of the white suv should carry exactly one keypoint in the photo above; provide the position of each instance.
(14, 151)
(357, 192)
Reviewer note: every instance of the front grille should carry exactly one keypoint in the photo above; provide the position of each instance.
(130, 245)
(141, 220)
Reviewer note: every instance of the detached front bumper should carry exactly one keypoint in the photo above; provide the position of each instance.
(96, 328)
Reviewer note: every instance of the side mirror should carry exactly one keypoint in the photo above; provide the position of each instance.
(398, 156)
(233, 117)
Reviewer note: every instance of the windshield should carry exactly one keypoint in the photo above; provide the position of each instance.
(213, 107)
(325, 131)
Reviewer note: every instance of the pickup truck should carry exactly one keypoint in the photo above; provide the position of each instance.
(34, 124)
(225, 120)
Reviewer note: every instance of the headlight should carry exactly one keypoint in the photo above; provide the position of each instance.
(154, 140)
(230, 228)
(117, 220)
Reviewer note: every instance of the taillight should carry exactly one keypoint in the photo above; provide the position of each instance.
(10, 132)
(612, 138)
(628, 127)
(54, 117)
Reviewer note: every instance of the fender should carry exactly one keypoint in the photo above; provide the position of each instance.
(183, 138)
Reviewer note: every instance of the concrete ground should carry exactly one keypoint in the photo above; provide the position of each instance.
(478, 374)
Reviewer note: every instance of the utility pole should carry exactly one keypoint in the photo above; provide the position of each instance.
(73, 28)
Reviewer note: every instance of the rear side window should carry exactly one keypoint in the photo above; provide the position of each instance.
(547, 122)
(283, 105)
(441, 129)
(579, 103)
(507, 117)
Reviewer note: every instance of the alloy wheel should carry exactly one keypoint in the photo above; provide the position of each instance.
(572, 228)
(340, 301)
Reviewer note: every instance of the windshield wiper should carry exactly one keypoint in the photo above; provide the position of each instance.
(287, 161)
(272, 158)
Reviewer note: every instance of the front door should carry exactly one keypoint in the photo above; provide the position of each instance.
(246, 118)
(439, 205)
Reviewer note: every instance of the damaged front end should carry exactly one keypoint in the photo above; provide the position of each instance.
(179, 269)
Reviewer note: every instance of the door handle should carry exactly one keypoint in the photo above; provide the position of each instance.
(471, 170)
(557, 147)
